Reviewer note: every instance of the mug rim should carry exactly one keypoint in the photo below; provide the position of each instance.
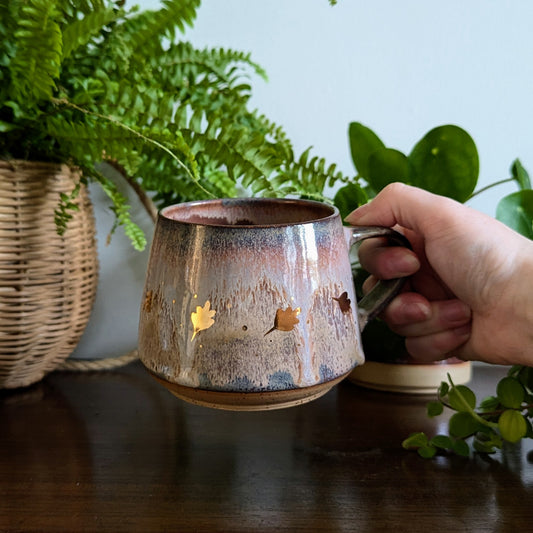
(167, 210)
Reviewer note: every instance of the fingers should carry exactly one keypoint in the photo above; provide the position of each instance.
(409, 207)
(411, 315)
(433, 330)
(438, 346)
(387, 262)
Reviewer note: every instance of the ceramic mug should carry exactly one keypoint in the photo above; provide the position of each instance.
(249, 304)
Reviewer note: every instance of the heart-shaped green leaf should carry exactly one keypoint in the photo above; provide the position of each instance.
(462, 425)
(445, 161)
(434, 409)
(415, 440)
(443, 389)
(490, 403)
(442, 441)
(510, 392)
(460, 447)
(385, 166)
(461, 398)
(516, 211)
(363, 142)
(427, 452)
(512, 425)
(520, 174)
(348, 198)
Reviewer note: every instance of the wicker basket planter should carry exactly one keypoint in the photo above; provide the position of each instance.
(47, 282)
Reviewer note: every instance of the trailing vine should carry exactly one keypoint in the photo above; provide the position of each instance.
(484, 428)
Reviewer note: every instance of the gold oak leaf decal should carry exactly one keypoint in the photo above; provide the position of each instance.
(202, 318)
(285, 320)
(344, 302)
(148, 300)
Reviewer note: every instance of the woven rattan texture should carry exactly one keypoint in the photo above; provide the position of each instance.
(47, 281)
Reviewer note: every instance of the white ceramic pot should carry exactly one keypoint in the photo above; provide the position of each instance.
(410, 377)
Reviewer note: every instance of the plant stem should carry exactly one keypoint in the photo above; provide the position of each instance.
(65, 102)
(467, 407)
(500, 411)
(490, 186)
(146, 201)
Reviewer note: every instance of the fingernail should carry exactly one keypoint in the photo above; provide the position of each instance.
(406, 265)
(413, 312)
(420, 311)
(357, 213)
(409, 312)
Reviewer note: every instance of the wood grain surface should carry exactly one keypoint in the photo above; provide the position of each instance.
(117, 452)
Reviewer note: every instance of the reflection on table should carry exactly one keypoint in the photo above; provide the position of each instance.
(117, 452)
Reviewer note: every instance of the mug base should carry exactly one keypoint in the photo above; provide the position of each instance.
(249, 401)
(409, 378)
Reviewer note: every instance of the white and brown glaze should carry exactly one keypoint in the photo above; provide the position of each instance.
(249, 303)
(277, 275)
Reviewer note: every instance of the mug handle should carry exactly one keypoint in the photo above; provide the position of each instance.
(386, 289)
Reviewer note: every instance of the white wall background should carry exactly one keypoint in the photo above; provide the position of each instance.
(401, 67)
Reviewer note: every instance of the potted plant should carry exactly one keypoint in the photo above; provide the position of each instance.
(91, 81)
(446, 162)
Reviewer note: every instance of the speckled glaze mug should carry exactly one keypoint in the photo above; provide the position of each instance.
(249, 304)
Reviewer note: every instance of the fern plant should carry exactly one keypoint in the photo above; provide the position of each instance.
(86, 81)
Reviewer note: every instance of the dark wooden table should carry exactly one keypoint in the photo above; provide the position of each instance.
(117, 452)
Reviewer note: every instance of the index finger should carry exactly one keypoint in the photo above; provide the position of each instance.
(406, 206)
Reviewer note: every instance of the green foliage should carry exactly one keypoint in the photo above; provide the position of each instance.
(63, 212)
(444, 161)
(348, 196)
(363, 143)
(520, 175)
(86, 81)
(428, 448)
(510, 393)
(516, 210)
(484, 428)
(461, 398)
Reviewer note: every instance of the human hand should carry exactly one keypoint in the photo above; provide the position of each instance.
(470, 294)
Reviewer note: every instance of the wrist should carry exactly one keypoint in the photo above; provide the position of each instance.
(524, 307)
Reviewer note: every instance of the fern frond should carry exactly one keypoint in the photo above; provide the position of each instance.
(228, 56)
(64, 211)
(38, 51)
(149, 27)
(140, 105)
(242, 153)
(122, 213)
(92, 81)
(71, 9)
(80, 31)
(274, 133)
(89, 142)
(182, 60)
(110, 138)
(309, 177)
